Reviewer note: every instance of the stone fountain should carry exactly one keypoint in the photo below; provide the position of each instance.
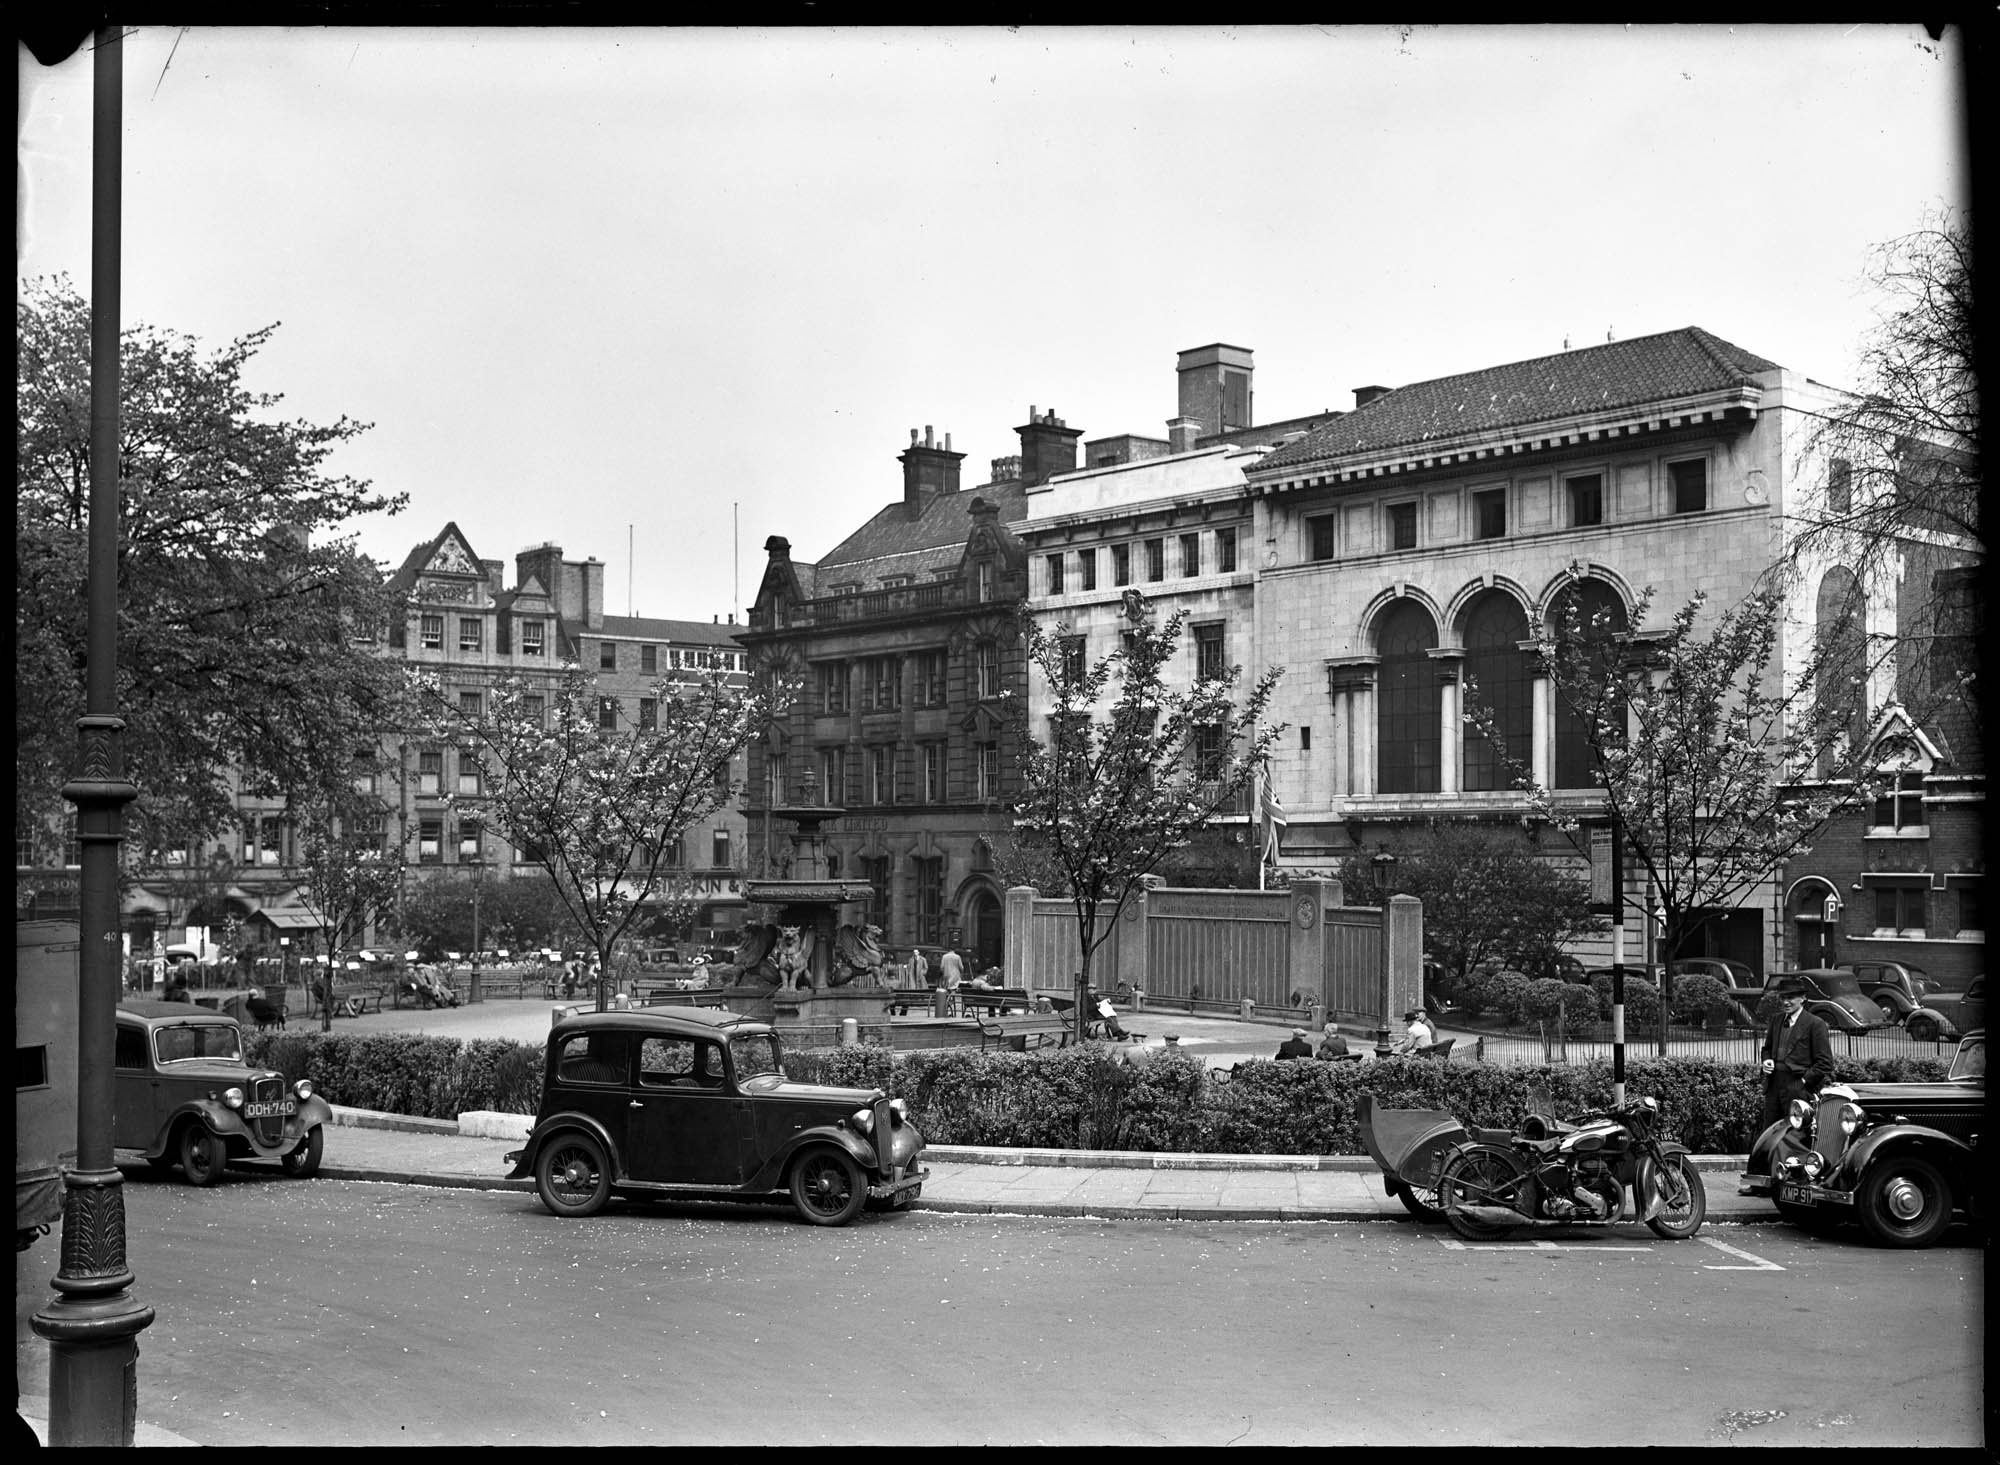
(814, 961)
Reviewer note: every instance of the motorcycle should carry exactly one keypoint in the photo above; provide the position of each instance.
(1596, 1170)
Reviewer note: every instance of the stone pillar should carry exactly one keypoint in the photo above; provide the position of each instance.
(1306, 949)
(1542, 757)
(1131, 942)
(1403, 953)
(1017, 955)
(1451, 734)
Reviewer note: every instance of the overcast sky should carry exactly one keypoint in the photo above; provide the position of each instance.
(659, 294)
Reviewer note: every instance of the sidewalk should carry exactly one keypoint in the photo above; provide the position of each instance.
(1120, 1185)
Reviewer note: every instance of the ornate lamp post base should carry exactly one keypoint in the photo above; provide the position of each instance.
(94, 1322)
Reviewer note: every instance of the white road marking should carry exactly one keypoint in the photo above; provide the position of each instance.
(1536, 1246)
(1757, 1263)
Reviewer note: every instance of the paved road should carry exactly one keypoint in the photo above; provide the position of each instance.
(345, 1312)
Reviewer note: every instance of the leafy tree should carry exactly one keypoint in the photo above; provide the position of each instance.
(1489, 901)
(520, 912)
(601, 809)
(1702, 749)
(1901, 504)
(346, 877)
(237, 656)
(1110, 798)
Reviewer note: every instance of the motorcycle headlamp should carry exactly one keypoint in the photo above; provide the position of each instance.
(1799, 1113)
(1850, 1118)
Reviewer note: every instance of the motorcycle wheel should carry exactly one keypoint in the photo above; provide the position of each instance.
(1420, 1201)
(1471, 1191)
(1686, 1200)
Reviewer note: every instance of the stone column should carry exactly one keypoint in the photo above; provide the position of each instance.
(1017, 956)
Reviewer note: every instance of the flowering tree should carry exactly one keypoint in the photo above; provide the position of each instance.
(1716, 770)
(346, 877)
(601, 809)
(1105, 799)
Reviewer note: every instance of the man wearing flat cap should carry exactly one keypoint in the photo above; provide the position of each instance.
(1296, 1045)
(1798, 1056)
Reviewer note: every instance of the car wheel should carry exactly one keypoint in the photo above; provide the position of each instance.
(1904, 1202)
(1820, 1221)
(827, 1187)
(1924, 1029)
(303, 1162)
(202, 1155)
(1686, 1200)
(572, 1176)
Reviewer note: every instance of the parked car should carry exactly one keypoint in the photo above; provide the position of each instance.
(1833, 996)
(1896, 987)
(182, 1095)
(1899, 1158)
(693, 1103)
(1948, 1016)
(1726, 970)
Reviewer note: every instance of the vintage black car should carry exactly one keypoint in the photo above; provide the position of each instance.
(687, 1102)
(1900, 1158)
(1834, 996)
(182, 1095)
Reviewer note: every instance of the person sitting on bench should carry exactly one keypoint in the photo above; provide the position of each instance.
(1331, 1044)
(1108, 1015)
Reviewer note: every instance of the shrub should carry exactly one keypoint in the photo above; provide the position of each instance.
(1642, 1002)
(1509, 997)
(1696, 994)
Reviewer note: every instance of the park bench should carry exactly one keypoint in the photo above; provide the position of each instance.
(658, 995)
(974, 1000)
(506, 982)
(350, 999)
(903, 999)
(1022, 1032)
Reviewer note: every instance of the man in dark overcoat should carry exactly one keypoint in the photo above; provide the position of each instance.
(1798, 1056)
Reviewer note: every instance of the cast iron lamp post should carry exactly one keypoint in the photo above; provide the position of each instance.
(1383, 869)
(93, 1323)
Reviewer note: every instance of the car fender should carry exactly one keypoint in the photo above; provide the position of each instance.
(858, 1146)
(1949, 1153)
(555, 1124)
(1946, 1026)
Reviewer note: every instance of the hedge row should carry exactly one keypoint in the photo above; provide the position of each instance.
(1087, 1096)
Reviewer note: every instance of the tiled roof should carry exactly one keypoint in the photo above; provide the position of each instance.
(649, 628)
(935, 540)
(1674, 364)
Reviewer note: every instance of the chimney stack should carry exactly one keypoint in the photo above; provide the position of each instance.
(1215, 387)
(1181, 433)
(1364, 395)
(1048, 447)
(929, 471)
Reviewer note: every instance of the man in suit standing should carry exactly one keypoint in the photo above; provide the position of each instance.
(1798, 1056)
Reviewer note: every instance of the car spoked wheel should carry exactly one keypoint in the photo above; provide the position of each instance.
(303, 1162)
(572, 1176)
(1904, 1202)
(827, 1187)
(201, 1154)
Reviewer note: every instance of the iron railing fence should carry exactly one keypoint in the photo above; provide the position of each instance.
(1538, 1045)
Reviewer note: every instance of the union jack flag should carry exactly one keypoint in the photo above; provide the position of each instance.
(1270, 812)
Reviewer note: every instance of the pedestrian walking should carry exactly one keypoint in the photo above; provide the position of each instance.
(1798, 1054)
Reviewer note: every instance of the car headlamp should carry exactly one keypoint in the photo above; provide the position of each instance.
(303, 1089)
(1850, 1118)
(863, 1120)
(899, 1112)
(1799, 1113)
(233, 1097)
(1812, 1162)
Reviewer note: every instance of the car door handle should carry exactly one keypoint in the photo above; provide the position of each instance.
(635, 1104)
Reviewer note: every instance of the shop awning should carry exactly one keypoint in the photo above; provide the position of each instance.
(287, 920)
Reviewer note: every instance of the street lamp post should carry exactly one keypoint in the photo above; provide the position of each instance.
(1382, 868)
(93, 1323)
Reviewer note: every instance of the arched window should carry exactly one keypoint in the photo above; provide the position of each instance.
(1495, 627)
(1598, 619)
(1840, 692)
(1407, 702)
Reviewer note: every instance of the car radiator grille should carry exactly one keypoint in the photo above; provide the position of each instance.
(268, 1091)
(1827, 1137)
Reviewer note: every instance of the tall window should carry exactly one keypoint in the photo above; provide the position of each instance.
(1690, 485)
(1156, 559)
(929, 690)
(1840, 691)
(932, 755)
(531, 637)
(1072, 658)
(468, 770)
(875, 870)
(1121, 564)
(607, 656)
(1190, 554)
(1225, 551)
(1900, 804)
(1086, 569)
(469, 633)
(882, 683)
(534, 709)
(718, 849)
(649, 713)
(986, 657)
(1208, 751)
(989, 770)
(1403, 526)
(982, 581)
(607, 714)
(649, 658)
(433, 633)
(468, 841)
(833, 775)
(1208, 660)
(882, 774)
(1840, 486)
(430, 840)
(1899, 910)
(1055, 574)
(1600, 620)
(1489, 514)
(1319, 531)
(930, 900)
(1586, 499)
(1495, 627)
(430, 771)
(469, 705)
(831, 677)
(1407, 702)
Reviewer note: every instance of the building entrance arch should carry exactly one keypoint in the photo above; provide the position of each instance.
(983, 929)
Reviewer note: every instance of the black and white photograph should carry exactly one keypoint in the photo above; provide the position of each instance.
(998, 735)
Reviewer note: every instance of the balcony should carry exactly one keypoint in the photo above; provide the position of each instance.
(878, 605)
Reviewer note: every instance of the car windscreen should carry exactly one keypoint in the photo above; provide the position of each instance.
(1970, 1060)
(185, 1041)
(754, 1054)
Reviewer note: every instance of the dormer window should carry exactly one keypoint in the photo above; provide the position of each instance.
(1899, 807)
